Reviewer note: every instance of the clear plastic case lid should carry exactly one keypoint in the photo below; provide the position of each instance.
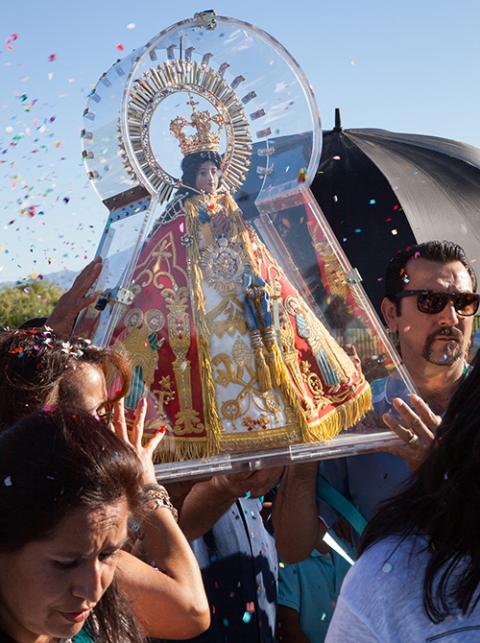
(247, 329)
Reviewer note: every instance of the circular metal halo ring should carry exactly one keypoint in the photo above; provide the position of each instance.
(164, 80)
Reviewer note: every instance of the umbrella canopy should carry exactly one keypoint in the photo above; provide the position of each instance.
(381, 191)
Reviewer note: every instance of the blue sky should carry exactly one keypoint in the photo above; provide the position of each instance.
(404, 66)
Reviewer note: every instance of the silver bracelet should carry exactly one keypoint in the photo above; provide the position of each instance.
(156, 497)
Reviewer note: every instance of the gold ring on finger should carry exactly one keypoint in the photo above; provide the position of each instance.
(413, 438)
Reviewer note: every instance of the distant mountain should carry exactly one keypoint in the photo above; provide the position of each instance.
(63, 279)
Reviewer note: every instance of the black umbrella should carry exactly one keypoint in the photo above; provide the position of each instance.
(381, 191)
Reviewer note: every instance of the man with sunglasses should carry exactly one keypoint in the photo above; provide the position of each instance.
(429, 305)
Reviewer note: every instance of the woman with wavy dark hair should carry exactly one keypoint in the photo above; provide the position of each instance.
(418, 574)
(68, 487)
(38, 368)
(41, 371)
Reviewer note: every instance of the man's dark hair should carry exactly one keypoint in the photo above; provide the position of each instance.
(396, 278)
(442, 504)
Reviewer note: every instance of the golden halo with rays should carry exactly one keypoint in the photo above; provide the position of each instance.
(148, 92)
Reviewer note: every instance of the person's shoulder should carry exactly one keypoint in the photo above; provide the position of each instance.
(370, 563)
(386, 561)
(374, 593)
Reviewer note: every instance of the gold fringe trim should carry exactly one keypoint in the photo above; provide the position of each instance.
(175, 449)
(342, 417)
(180, 449)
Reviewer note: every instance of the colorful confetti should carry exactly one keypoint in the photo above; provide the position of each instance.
(302, 175)
(11, 39)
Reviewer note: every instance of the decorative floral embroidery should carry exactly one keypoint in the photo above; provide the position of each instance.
(256, 424)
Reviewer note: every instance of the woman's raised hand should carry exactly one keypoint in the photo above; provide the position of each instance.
(144, 452)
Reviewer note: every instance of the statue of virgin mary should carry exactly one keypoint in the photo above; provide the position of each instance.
(233, 356)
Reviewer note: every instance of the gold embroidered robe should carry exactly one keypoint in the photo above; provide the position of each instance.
(220, 385)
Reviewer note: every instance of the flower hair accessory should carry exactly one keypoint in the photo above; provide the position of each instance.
(45, 337)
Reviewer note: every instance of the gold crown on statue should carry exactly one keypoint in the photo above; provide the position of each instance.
(204, 140)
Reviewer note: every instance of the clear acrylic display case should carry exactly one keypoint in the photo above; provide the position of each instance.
(238, 308)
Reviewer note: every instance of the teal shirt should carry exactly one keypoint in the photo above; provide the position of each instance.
(308, 588)
(82, 637)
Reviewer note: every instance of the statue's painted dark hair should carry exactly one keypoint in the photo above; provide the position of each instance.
(190, 166)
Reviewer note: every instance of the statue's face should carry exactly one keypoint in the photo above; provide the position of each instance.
(207, 178)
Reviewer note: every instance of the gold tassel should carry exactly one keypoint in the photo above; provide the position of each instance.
(261, 366)
(213, 424)
(292, 398)
(282, 380)
(274, 357)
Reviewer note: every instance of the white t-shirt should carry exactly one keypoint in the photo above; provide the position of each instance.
(381, 600)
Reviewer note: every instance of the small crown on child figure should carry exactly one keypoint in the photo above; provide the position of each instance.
(204, 140)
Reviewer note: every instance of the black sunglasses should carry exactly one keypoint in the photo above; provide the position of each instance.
(432, 302)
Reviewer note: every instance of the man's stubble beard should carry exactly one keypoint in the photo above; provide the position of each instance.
(447, 358)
